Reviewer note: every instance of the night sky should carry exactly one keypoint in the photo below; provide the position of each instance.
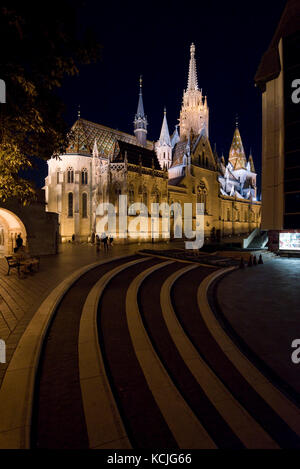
(153, 39)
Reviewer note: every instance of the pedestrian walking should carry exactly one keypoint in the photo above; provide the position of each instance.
(104, 239)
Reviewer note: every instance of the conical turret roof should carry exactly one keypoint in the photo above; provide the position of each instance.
(237, 155)
(164, 138)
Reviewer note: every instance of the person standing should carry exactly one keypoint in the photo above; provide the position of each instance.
(104, 240)
(19, 241)
(97, 243)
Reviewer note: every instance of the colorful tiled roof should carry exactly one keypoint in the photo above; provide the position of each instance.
(237, 154)
(84, 133)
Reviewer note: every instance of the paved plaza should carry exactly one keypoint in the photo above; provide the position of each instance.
(149, 349)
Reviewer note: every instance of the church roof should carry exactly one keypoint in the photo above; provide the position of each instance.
(179, 151)
(237, 155)
(164, 138)
(140, 113)
(84, 133)
(135, 154)
(175, 181)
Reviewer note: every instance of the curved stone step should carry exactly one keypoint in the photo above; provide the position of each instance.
(104, 424)
(186, 428)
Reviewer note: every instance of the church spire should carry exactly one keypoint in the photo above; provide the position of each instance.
(194, 114)
(163, 147)
(237, 155)
(192, 79)
(164, 138)
(140, 110)
(140, 120)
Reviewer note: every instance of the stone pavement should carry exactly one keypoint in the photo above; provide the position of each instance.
(262, 304)
(20, 297)
(130, 353)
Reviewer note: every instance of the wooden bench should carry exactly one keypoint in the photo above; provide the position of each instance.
(15, 263)
(12, 263)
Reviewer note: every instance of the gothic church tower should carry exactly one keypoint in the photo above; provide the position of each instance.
(194, 114)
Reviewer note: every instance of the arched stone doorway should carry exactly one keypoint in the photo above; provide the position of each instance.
(10, 226)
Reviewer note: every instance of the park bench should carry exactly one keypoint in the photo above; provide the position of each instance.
(15, 263)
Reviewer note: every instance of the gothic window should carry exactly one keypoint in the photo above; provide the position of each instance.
(57, 175)
(202, 196)
(145, 197)
(84, 176)
(131, 200)
(70, 204)
(228, 214)
(84, 205)
(131, 195)
(70, 172)
(117, 192)
(172, 211)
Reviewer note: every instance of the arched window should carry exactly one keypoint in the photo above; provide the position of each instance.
(131, 195)
(70, 173)
(117, 192)
(145, 197)
(70, 204)
(84, 176)
(57, 175)
(84, 205)
(228, 214)
(131, 200)
(202, 195)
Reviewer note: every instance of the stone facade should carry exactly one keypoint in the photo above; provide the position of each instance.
(102, 163)
(39, 229)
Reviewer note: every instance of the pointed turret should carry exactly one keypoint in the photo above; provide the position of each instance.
(164, 138)
(95, 150)
(175, 137)
(140, 120)
(192, 80)
(163, 147)
(251, 163)
(237, 156)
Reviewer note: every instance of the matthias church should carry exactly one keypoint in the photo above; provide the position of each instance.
(101, 163)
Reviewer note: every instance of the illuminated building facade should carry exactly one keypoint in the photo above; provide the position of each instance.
(101, 163)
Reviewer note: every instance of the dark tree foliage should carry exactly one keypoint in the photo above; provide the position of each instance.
(41, 44)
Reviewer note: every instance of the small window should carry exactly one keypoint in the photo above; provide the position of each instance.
(70, 176)
(70, 204)
(84, 176)
(84, 205)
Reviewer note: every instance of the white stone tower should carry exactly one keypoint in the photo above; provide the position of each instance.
(163, 147)
(140, 120)
(194, 114)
